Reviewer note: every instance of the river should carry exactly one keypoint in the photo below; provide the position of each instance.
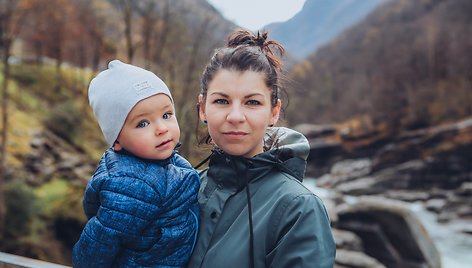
(454, 246)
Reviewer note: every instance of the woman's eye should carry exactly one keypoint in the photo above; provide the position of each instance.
(253, 102)
(142, 124)
(167, 115)
(220, 101)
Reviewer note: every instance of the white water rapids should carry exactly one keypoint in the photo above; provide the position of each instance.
(454, 246)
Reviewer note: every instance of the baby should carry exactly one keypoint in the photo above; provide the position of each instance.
(142, 200)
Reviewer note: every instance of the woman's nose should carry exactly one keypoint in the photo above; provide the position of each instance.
(236, 114)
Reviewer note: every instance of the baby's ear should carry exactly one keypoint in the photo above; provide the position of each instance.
(116, 146)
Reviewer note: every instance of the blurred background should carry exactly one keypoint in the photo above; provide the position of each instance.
(381, 88)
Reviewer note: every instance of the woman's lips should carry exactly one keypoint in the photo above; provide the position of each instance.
(235, 134)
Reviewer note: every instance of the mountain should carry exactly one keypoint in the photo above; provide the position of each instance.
(195, 12)
(319, 22)
(406, 65)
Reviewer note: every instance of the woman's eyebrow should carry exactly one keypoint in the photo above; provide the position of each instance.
(219, 93)
(247, 96)
(253, 95)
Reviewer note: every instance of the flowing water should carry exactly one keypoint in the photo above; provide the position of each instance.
(454, 246)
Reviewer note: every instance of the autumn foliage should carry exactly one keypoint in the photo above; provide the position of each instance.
(408, 64)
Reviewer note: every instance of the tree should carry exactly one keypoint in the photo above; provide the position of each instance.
(11, 14)
(163, 32)
(149, 19)
(89, 38)
(126, 8)
(51, 31)
(189, 80)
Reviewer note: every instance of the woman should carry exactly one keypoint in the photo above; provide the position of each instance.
(255, 212)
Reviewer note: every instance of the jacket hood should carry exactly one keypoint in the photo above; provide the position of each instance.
(285, 150)
(290, 148)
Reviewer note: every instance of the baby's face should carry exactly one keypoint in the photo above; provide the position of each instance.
(151, 130)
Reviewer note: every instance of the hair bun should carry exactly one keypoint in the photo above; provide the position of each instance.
(246, 38)
(241, 37)
(261, 39)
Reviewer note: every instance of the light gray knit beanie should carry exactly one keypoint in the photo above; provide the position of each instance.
(115, 91)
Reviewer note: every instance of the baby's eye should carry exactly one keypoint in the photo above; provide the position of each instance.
(142, 124)
(220, 101)
(167, 115)
(253, 102)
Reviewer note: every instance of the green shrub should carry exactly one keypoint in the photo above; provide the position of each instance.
(65, 120)
(20, 203)
(24, 76)
(41, 81)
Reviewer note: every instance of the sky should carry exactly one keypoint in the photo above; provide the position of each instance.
(255, 14)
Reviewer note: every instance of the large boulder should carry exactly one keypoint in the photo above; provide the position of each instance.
(390, 232)
(355, 259)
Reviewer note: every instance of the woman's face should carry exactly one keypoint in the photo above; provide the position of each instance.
(238, 111)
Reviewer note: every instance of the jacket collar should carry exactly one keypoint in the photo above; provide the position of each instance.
(233, 171)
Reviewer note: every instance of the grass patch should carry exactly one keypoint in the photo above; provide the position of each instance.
(60, 198)
(22, 126)
(50, 196)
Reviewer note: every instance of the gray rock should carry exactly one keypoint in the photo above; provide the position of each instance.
(390, 232)
(435, 205)
(354, 259)
(363, 186)
(347, 240)
(350, 169)
(315, 131)
(465, 189)
(407, 196)
(52, 157)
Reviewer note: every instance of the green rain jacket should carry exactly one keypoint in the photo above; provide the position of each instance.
(290, 224)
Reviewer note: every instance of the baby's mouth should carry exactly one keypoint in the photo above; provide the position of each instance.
(164, 143)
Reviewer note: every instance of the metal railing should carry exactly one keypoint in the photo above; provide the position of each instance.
(14, 261)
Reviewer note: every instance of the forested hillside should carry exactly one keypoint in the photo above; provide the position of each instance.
(407, 65)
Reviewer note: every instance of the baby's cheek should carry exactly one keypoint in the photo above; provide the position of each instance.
(142, 146)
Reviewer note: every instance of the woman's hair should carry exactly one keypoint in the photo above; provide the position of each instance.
(246, 51)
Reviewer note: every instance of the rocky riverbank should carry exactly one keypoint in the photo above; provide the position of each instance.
(431, 167)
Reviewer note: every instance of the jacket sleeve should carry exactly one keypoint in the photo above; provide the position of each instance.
(91, 201)
(304, 237)
(119, 221)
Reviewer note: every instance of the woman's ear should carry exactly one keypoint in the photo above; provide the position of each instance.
(276, 112)
(201, 108)
(117, 146)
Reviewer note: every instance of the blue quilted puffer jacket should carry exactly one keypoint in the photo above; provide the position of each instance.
(141, 213)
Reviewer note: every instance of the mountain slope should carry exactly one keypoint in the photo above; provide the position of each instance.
(407, 64)
(318, 23)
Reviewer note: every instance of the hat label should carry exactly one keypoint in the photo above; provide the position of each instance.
(142, 87)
